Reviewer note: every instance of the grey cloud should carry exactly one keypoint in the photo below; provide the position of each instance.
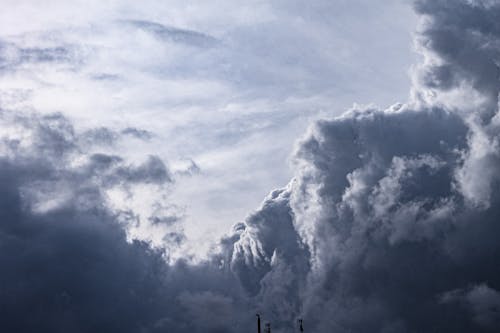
(52, 54)
(103, 161)
(189, 168)
(461, 42)
(193, 168)
(52, 142)
(480, 300)
(172, 34)
(397, 209)
(108, 137)
(211, 311)
(465, 37)
(376, 228)
(72, 263)
(101, 136)
(70, 267)
(75, 271)
(389, 225)
(270, 259)
(116, 171)
(171, 219)
(55, 138)
(175, 238)
(14, 55)
(138, 133)
(105, 77)
(153, 170)
(55, 135)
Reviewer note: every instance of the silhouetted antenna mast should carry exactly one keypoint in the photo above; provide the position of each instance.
(258, 323)
(268, 328)
(301, 327)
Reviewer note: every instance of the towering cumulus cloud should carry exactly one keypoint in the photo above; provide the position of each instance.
(396, 211)
(390, 224)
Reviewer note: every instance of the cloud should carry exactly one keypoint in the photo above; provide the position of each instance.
(461, 53)
(481, 301)
(389, 224)
(72, 260)
(14, 56)
(395, 210)
(138, 133)
(229, 84)
(188, 37)
(69, 261)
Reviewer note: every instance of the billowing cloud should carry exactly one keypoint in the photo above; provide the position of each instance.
(71, 260)
(396, 210)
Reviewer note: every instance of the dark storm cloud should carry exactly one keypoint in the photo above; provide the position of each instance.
(376, 212)
(395, 211)
(73, 271)
(390, 227)
(211, 312)
(465, 36)
(69, 267)
(482, 302)
(390, 224)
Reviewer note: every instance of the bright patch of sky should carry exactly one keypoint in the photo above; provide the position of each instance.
(219, 89)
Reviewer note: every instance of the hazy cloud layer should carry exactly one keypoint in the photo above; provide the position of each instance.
(229, 85)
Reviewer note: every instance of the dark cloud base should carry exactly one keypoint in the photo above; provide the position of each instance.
(67, 264)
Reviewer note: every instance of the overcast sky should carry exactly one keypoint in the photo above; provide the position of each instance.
(224, 88)
(179, 166)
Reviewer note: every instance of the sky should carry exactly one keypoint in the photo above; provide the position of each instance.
(223, 89)
(183, 165)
